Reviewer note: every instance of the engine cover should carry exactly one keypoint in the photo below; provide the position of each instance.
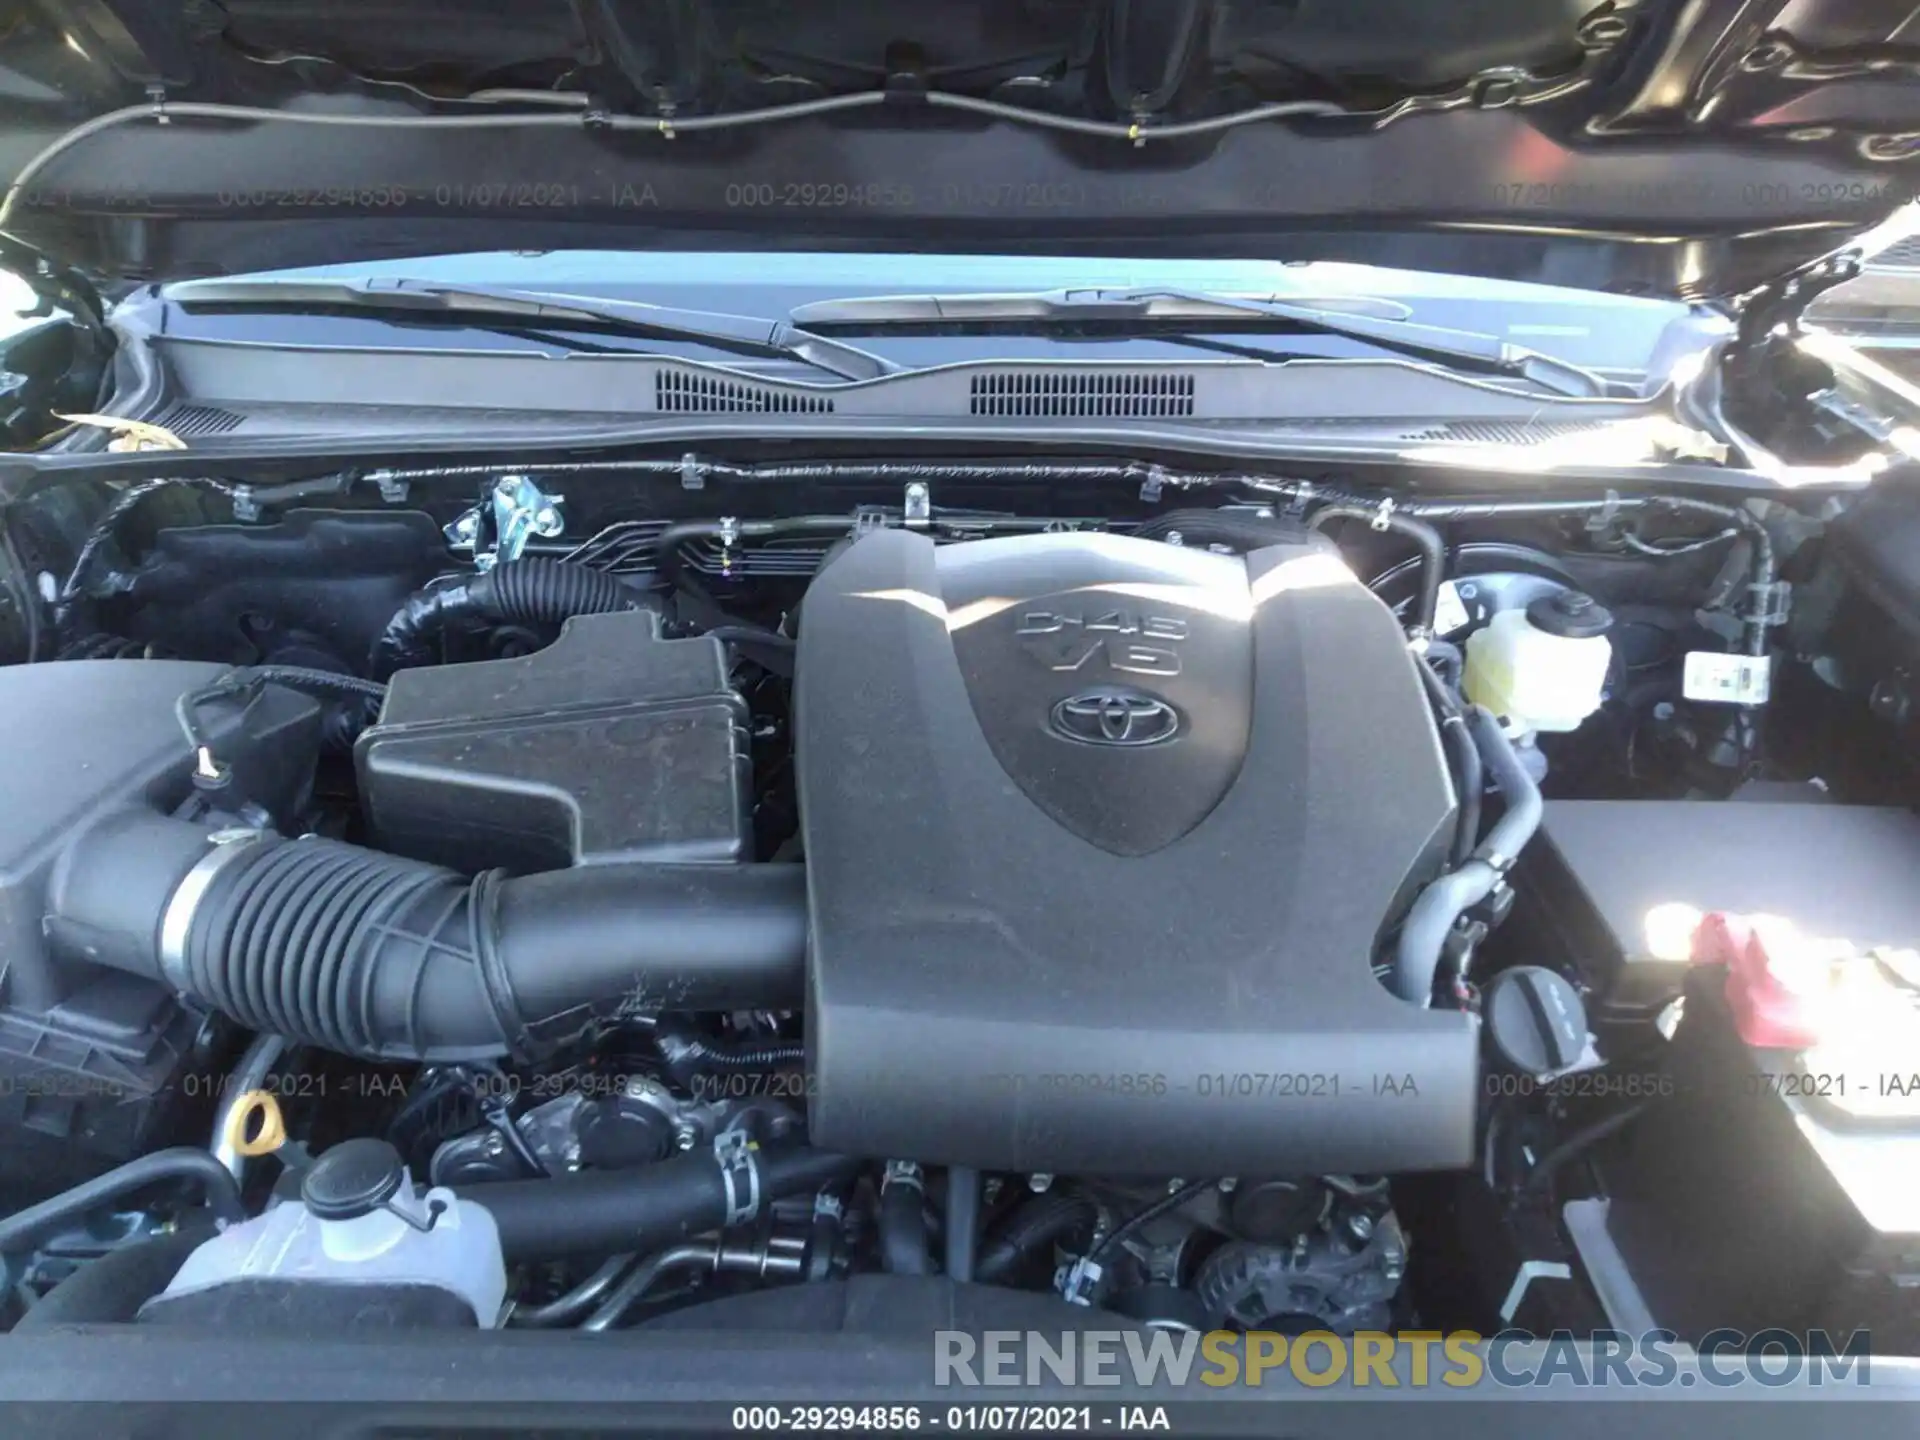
(1102, 835)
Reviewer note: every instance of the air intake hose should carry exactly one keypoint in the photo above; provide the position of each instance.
(370, 954)
(533, 590)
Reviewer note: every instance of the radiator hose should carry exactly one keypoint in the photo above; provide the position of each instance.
(592, 1212)
(374, 955)
(1438, 908)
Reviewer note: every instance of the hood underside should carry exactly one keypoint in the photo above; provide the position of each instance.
(1689, 148)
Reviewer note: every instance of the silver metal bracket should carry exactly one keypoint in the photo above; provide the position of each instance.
(740, 1172)
(917, 505)
(515, 511)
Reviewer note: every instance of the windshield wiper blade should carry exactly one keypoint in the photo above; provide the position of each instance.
(1372, 319)
(486, 306)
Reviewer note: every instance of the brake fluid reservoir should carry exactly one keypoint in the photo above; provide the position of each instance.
(1544, 667)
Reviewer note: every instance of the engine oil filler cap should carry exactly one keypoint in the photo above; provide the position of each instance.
(1571, 614)
(352, 1179)
(1535, 1020)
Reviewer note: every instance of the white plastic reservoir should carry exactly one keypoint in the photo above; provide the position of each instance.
(1544, 667)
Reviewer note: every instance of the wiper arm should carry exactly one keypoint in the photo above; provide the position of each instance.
(486, 306)
(1373, 319)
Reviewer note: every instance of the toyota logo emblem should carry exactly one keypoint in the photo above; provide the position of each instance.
(1115, 717)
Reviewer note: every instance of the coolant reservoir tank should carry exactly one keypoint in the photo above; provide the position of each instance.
(1544, 667)
(360, 1246)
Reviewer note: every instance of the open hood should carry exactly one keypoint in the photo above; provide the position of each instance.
(1688, 148)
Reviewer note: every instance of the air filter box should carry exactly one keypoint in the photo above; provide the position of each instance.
(610, 744)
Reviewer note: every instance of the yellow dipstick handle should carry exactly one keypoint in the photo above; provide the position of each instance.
(272, 1133)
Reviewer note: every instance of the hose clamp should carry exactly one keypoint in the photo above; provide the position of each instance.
(1498, 860)
(740, 1173)
(176, 923)
(903, 1172)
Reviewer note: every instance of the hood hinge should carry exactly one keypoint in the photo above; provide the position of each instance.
(1771, 315)
(1765, 376)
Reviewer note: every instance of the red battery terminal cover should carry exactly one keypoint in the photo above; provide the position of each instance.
(1790, 990)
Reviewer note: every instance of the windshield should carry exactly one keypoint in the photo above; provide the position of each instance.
(1613, 335)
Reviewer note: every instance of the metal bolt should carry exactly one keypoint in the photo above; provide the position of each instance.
(1174, 537)
(686, 1138)
(1040, 1182)
(1360, 1226)
(495, 1145)
(1229, 1184)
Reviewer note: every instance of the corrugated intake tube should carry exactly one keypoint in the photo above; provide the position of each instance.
(533, 590)
(370, 954)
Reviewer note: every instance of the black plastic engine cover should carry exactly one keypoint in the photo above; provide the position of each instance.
(1102, 835)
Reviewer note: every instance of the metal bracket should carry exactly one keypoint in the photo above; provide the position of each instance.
(1154, 485)
(1772, 313)
(917, 505)
(740, 1173)
(513, 512)
(693, 473)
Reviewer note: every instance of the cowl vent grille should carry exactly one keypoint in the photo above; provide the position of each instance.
(1076, 392)
(1508, 432)
(687, 393)
(189, 420)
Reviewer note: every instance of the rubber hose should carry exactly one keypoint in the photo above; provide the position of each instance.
(1433, 550)
(25, 1228)
(963, 1222)
(374, 955)
(1436, 910)
(1040, 1222)
(903, 1229)
(111, 1289)
(1468, 773)
(533, 590)
(592, 1212)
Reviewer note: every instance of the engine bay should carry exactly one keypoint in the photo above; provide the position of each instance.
(572, 895)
